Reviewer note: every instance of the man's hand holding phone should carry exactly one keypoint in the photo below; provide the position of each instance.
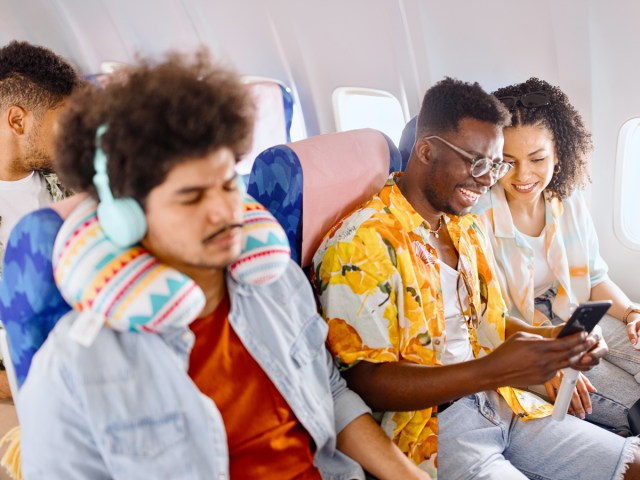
(585, 318)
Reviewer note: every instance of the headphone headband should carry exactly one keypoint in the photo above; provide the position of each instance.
(101, 178)
(122, 219)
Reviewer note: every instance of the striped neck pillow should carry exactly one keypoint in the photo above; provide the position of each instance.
(129, 290)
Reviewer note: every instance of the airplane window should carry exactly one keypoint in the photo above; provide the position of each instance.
(627, 218)
(368, 108)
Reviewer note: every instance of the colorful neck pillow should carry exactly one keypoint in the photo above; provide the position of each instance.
(129, 290)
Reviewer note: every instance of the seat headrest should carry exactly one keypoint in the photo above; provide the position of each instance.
(407, 140)
(309, 185)
(272, 125)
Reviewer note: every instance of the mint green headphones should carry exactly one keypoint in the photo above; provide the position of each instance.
(122, 219)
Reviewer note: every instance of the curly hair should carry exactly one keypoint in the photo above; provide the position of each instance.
(571, 138)
(34, 77)
(158, 115)
(450, 100)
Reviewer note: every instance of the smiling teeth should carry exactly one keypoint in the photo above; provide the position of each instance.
(524, 187)
(469, 194)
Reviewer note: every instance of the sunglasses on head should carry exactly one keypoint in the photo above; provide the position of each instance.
(527, 100)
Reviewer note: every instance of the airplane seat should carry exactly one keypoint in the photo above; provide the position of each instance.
(274, 114)
(98, 79)
(311, 184)
(407, 140)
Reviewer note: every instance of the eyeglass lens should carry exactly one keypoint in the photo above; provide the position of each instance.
(535, 99)
(483, 165)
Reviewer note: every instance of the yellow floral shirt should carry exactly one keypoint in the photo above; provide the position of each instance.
(378, 280)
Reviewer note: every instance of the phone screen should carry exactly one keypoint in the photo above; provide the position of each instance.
(585, 317)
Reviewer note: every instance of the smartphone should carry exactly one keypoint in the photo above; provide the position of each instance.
(585, 317)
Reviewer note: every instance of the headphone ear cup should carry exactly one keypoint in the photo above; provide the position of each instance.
(123, 221)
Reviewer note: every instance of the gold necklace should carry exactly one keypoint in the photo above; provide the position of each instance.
(436, 232)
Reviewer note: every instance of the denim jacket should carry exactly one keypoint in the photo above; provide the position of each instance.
(125, 408)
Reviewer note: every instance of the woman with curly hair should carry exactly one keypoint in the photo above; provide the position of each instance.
(546, 246)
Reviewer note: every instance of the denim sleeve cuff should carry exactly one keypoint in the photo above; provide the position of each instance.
(347, 407)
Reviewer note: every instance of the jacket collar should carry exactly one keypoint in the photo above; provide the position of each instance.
(503, 221)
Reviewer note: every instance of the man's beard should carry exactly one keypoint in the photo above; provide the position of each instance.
(36, 158)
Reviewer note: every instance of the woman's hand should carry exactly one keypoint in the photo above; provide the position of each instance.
(580, 402)
(633, 329)
(592, 357)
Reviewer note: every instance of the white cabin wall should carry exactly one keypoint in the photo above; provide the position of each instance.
(336, 43)
(615, 38)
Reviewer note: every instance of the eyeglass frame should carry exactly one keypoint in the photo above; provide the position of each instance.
(519, 99)
(473, 319)
(476, 159)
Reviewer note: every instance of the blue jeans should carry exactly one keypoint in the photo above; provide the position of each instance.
(617, 375)
(481, 438)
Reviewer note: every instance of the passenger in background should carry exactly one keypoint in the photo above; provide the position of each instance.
(546, 245)
(417, 320)
(34, 84)
(167, 137)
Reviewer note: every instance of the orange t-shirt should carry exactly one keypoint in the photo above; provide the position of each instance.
(265, 438)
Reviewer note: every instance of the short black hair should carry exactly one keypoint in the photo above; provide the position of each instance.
(34, 77)
(571, 138)
(158, 115)
(450, 100)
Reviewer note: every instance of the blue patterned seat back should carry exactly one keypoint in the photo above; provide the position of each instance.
(276, 180)
(282, 176)
(407, 140)
(30, 303)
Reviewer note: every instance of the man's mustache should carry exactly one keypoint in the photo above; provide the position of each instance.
(221, 230)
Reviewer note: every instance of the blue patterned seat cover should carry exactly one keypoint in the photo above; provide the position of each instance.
(30, 302)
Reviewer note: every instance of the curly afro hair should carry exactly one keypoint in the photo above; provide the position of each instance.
(449, 101)
(157, 116)
(34, 77)
(571, 138)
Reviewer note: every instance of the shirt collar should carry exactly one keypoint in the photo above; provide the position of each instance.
(502, 220)
(398, 206)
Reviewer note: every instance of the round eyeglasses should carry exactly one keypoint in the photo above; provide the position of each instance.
(479, 165)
